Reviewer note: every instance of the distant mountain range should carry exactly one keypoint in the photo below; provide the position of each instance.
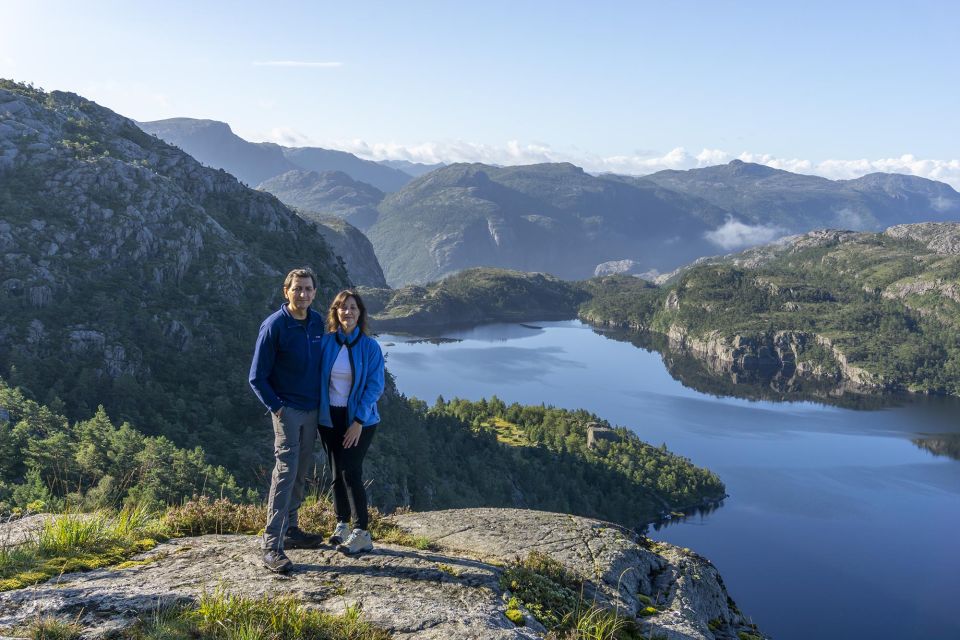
(794, 203)
(214, 144)
(551, 217)
(557, 218)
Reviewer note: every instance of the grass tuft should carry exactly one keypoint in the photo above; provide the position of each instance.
(203, 516)
(224, 616)
(72, 541)
(54, 629)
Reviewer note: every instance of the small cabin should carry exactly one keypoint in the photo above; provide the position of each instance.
(595, 432)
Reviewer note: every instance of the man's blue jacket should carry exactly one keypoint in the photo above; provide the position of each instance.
(286, 362)
(366, 361)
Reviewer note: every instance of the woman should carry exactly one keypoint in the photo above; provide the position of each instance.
(351, 382)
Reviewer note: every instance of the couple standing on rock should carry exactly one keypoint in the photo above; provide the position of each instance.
(325, 377)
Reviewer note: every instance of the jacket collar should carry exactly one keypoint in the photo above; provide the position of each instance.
(349, 340)
(312, 315)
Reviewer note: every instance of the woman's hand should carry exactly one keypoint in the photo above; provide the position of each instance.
(352, 436)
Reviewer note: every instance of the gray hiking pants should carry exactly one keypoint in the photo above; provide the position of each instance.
(294, 434)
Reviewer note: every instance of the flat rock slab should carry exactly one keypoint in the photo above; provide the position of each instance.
(399, 589)
(448, 594)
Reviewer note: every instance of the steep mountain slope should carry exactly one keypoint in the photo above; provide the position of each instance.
(135, 277)
(330, 193)
(793, 203)
(214, 144)
(351, 246)
(551, 217)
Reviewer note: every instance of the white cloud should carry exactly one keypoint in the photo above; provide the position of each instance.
(734, 234)
(710, 157)
(288, 137)
(298, 64)
(847, 218)
(794, 165)
(943, 170)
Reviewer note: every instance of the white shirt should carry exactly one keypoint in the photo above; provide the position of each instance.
(341, 379)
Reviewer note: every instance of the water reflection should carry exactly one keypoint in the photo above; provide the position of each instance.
(696, 515)
(943, 444)
(436, 341)
(722, 379)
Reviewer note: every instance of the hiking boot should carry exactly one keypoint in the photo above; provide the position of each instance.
(357, 542)
(277, 561)
(297, 538)
(340, 533)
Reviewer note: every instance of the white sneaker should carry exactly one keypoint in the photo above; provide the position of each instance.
(358, 541)
(340, 533)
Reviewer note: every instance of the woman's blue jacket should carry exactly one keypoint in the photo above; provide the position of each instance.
(366, 361)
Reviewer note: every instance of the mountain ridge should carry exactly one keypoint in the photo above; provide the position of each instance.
(215, 144)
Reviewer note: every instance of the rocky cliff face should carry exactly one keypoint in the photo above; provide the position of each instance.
(453, 592)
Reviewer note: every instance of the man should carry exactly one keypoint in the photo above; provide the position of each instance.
(285, 375)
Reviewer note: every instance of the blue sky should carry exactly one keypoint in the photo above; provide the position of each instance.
(839, 89)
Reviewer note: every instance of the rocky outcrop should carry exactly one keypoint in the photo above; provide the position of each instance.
(611, 267)
(939, 237)
(453, 592)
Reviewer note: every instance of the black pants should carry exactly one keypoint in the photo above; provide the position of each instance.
(346, 467)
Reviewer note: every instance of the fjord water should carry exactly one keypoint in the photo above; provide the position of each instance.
(836, 526)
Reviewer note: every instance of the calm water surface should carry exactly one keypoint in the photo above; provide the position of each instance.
(837, 524)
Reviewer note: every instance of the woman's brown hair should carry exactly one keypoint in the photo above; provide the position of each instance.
(333, 322)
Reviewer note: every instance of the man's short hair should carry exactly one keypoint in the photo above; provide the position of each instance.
(302, 272)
